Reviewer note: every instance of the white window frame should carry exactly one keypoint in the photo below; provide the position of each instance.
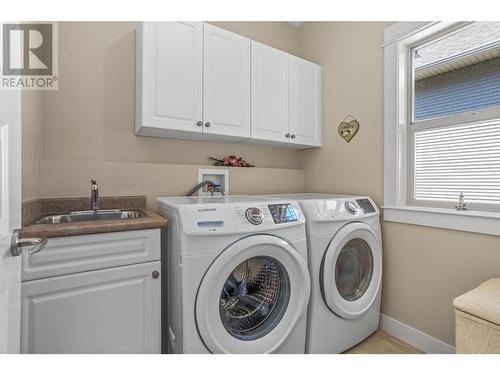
(399, 39)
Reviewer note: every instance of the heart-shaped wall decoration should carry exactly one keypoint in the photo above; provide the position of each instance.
(348, 128)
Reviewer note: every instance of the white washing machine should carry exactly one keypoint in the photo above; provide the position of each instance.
(237, 273)
(345, 263)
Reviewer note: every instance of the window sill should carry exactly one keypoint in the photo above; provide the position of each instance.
(468, 221)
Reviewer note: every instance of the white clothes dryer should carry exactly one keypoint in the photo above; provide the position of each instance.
(345, 263)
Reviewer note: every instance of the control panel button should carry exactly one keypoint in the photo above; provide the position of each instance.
(254, 215)
(351, 207)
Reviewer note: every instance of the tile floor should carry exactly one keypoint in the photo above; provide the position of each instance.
(383, 343)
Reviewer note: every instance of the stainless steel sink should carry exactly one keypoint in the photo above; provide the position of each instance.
(79, 216)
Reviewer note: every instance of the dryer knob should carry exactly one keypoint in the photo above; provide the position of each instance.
(254, 215)
(351, 207)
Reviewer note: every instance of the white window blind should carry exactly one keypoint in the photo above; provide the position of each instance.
(462, 158)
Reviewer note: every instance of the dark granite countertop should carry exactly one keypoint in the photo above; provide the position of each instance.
(35, 209)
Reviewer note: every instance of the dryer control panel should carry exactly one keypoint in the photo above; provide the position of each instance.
(339, 208)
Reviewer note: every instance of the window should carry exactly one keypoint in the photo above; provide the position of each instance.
(454, 75)
(442, 124)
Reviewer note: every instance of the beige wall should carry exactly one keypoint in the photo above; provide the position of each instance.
(91, 117)
(31, 118)
(280, 35)
(351, 58)
(424, 268)
(71, 177)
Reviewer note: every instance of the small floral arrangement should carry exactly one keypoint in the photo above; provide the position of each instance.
(230, 161)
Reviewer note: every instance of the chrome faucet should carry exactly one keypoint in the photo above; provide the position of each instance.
(94, 196)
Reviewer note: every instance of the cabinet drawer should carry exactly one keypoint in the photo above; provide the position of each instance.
(65, 255)
(115, 310)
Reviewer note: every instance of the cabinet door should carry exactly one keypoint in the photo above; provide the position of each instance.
(226, 83)
(116, 310)
(270, 93)
(169, 75)
(305, 102)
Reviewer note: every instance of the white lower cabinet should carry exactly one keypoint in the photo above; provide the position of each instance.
(109, 310)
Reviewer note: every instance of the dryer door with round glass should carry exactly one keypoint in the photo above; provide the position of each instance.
(351, 270)
(252, 296)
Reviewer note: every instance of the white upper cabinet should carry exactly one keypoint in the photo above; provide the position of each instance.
(169, 77)
(305, 102)
(226, 85)
(270, 94)
(197, 81)
(286, 98)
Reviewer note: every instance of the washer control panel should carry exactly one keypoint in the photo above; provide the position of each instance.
(282, 213)
(254, 215)
(351, 207)
(236, 214)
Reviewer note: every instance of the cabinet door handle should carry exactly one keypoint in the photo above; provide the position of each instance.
(287, 135)
(17, 244)
(155, 274)
(199, 123)
(293, 135)
(207, 124)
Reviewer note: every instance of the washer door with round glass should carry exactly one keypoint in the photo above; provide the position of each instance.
(351, 270)
(252, 296)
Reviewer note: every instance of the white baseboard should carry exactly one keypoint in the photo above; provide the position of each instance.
(414, 337)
